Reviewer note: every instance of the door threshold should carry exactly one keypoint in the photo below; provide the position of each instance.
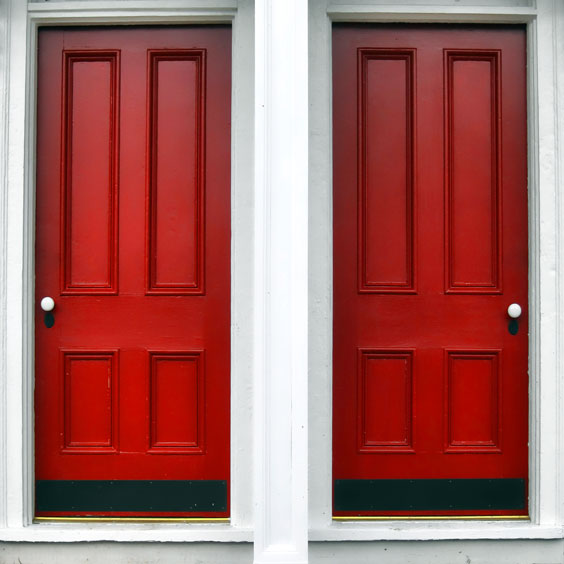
(432, 518)
(135, 519)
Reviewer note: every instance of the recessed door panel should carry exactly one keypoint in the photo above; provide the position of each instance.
(430, 383)
(473, 399)
(386, 197)
(177, 108)
(177, 402)
(90, 400)
(90, 157)
(385, 400)
(133, 244)
(472, 139)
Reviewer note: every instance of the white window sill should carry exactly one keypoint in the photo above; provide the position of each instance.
(432, 530)
(126, 532)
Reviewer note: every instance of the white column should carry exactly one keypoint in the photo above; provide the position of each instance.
(281, 281)
(558, 45)
(17, 433)
(559, 186)
(547, 272)
(4, 67)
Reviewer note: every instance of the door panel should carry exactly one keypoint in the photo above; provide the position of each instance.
(386, 230)
(430, 248)
(133, 243)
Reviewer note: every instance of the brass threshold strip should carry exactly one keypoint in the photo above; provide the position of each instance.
(433, 518)
(138, 519)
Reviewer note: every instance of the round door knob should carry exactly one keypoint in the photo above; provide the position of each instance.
(47, 304)
(514, 311)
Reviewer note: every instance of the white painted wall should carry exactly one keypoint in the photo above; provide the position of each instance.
(415, 552)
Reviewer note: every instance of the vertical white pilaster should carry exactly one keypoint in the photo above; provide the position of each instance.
(242, 171)
(4, 74)
(558, 45)
(16, 434)
(548, 371)
(281, 281)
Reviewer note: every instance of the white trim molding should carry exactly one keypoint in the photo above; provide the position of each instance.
(558, 70)
(17, 287)
(546, 220)
(134, 11)
(376, 12)
(4, 130)
(17, 181)
(281, 281)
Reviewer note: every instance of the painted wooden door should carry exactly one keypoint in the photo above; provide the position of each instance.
(430, 249)
(133, 244)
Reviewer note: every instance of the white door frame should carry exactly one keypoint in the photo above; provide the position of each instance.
(17, 209)
(545, 30)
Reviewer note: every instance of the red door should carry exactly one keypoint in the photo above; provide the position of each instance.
(133, 244)
(430, 249)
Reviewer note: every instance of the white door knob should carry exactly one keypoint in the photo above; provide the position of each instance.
(514, 311)
(47, 304)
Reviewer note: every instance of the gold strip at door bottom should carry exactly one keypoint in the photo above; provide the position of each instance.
(138, 519)
(431, 517)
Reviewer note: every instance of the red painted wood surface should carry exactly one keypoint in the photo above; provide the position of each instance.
(430, 247)
(133, 243)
